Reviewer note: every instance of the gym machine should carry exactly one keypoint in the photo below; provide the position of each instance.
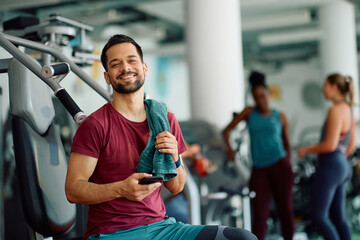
(41, 164)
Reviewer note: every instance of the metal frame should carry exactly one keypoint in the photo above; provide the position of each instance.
(2, 222)
(191, 192)
(8, 41)
(4, 65)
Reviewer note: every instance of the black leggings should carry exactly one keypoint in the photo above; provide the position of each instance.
(224, 233)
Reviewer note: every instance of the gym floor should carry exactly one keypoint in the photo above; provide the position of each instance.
(355, 236)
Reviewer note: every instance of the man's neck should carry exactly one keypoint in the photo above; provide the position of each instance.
(131, 106)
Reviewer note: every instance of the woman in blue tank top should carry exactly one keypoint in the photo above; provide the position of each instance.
(271, 174)
(337, 141)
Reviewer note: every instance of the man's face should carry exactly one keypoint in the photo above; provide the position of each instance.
(126, 72)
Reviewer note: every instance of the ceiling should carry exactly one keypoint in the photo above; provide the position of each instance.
(264, 22)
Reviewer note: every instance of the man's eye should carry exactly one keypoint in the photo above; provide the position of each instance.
(114, 65)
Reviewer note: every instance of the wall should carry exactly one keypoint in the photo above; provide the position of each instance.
(168, 82)
(287, 86)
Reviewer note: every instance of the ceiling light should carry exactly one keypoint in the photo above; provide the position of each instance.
(281, 19)
(290, 37)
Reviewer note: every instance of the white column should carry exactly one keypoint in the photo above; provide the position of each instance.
(214, 52)
(338, 45)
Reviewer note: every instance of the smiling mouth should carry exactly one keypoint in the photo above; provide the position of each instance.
(127, 77)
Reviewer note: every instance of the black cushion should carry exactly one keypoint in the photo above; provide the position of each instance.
(41, 172)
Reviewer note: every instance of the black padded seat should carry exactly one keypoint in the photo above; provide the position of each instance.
(38, 174)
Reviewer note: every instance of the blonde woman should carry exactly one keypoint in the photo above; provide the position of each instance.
(336, 143)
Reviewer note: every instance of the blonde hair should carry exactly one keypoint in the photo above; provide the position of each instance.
(345, 84)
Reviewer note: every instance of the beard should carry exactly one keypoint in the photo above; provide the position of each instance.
(130, 87)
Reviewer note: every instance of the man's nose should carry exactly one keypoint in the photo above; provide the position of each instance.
(125, 66)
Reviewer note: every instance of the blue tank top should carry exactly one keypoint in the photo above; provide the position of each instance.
(265, 138)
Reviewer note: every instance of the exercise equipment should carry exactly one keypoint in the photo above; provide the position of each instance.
(39, 154)
(1, 174)
(40, 160)
(225, 202)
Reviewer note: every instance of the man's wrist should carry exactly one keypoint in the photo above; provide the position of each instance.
(116, 188)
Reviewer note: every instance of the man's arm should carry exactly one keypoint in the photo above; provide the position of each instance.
(78, 189)
(167, 143)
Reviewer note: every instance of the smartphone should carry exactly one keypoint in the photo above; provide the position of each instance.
(149, 180)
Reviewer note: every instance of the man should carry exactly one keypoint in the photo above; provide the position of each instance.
(105, 153)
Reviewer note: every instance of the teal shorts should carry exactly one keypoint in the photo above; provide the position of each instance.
(166, 229)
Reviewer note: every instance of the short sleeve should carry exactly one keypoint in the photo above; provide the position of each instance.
(176, 131)
(88, 138)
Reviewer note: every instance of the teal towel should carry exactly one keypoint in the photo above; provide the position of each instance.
(151, 160)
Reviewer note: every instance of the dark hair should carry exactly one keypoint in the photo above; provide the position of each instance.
(344, 84)
(257, 79)
(117, 39)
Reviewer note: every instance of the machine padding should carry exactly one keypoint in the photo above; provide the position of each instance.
(41, 168)
(30, 97)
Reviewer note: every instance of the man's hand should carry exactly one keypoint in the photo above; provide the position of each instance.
(133, 191)
(167, 143)
(78, 189)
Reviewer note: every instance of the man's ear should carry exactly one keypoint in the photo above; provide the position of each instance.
(145, 69)
(107, 79)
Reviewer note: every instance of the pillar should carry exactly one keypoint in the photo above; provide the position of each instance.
(338, 48)
(214, 50)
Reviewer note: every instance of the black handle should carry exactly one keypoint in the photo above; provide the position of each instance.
(70, 105)
(49, 71)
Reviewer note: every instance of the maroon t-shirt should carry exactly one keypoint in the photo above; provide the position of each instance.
(117, 144)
